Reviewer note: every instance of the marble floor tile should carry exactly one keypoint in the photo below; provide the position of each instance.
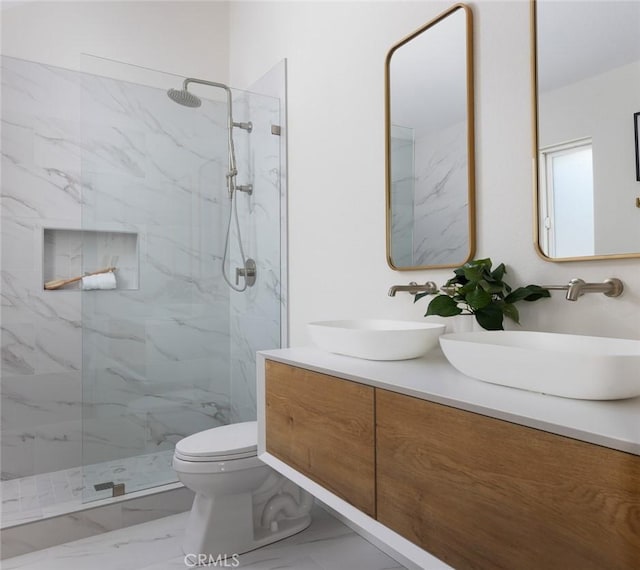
(51, 494)
(326, 545)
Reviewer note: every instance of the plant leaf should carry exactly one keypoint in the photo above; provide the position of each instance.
(528, 293)
(478, 298)
(495, 288)
(516, 295)
(420, 295)
(481, 263)
(498, 273)
(466, 288)
(443, 306)
(473, 272)
(457, 280)
(536, 292)
(458, 277)
(490, 318)
(511, 312)
(475, 269)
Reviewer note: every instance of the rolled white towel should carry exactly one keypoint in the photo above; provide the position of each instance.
(100, 281)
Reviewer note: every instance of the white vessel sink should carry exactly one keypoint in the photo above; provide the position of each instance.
(572, 366)
(376, 339)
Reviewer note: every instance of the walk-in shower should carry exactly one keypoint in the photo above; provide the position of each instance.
(186, 98)
(98, 386)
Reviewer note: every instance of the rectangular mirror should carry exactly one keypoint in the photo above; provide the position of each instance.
(430, 145)
(586, 90)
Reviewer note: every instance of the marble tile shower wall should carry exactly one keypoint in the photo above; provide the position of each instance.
(440, 215)
(402, 196)
(41, 335)
(103, 375)
(429, 222)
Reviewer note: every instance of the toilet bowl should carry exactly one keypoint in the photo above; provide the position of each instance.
(241, 503)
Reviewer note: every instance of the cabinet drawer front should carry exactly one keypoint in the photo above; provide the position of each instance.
(323, 427)
(483, 493)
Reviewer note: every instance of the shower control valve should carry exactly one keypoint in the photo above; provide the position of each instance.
(248, 272)
(247, 188)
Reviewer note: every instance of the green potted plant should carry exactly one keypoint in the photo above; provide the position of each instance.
(478, 290)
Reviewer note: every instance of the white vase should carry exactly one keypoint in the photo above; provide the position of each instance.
(463, 324)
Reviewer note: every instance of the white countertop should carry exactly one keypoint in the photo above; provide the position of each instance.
(614, 424)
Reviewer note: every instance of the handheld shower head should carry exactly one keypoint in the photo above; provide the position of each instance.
(184, 97)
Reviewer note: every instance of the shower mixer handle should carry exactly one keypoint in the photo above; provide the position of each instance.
(246, 126)
(247, 188)
(248, 272)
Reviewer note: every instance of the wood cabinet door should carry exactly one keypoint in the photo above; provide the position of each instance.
(487, 494)
(323, 427)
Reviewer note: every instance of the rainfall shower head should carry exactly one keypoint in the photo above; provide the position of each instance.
(184, 97)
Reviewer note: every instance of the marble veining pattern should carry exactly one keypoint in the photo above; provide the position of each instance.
(326, 545)
(429, 197)
(402, 196)
(441, 198)
(102, 376)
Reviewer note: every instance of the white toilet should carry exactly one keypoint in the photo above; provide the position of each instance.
(241, 503)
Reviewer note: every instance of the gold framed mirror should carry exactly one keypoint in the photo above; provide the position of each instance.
(585, 93)
(430, 156)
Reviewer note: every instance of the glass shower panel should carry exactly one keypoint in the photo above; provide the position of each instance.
(255, 316)
(160, 350)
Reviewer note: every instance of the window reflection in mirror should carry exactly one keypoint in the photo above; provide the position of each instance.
(587, 78)
(430, 161)
(566, 199)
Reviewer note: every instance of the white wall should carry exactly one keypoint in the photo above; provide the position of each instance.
(336, 54)
(185, 38)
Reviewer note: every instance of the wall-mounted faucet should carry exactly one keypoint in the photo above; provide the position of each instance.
(611, 287)
(413, 288)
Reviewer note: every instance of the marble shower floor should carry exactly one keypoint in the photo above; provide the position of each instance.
(326, 545)
(51, 494)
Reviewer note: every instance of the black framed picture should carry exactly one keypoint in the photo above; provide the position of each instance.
(636, 128)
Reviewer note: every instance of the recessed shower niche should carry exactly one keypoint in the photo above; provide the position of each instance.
(71, 253)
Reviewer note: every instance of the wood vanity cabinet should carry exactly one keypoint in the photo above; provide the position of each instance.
(476, 492)
(487, 494)
(323, 427)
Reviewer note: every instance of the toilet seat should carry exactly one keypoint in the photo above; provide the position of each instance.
(224, 443)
